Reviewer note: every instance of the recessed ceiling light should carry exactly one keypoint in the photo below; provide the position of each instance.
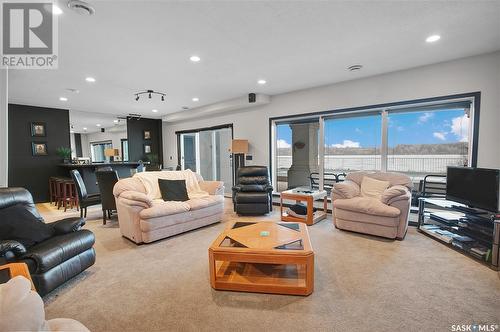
(81, 7)
(196, 99)
(72, 131)
(154, 111)
(261, 82)
(98, 125)
(195, 58)
(90, 79)
(63, 99)
(433, 38)
(116, 121)
(56, 10)
(85, 128)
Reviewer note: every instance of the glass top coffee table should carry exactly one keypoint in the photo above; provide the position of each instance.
(263, 257)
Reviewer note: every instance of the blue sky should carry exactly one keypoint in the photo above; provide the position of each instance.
(446, 126)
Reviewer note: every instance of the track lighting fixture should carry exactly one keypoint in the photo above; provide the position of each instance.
(150, 94)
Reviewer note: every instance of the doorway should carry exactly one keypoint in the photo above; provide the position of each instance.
(207, 152)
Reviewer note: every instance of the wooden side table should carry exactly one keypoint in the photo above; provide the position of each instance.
(305, 195)
(19, 269)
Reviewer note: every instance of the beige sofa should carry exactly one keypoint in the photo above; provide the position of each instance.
(145, 220)
(386, 217)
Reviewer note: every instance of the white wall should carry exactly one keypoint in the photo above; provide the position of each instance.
(116, 134)
(478, 73)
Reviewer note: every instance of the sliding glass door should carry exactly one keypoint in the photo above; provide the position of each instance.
(415, 139)
(207, 152)
(352, 143)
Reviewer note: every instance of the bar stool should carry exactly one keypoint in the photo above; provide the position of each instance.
(69, 195)
(52, 190)
(59, 188)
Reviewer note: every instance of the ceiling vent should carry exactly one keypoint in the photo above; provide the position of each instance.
(81, 7)
(354, 67)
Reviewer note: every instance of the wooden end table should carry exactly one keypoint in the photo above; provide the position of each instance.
(304, 194)
(18, 269)
(263, 257)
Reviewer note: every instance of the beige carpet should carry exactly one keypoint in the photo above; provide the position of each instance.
(362, 283)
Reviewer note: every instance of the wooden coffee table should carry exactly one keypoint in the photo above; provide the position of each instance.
(263, 257)
(304, 194)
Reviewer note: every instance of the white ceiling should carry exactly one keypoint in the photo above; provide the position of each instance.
(136, 45)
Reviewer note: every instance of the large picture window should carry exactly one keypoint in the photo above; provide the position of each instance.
(416, 138)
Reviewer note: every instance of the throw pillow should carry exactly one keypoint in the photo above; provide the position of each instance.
(17, 223)
(373, 188)
(173, 190)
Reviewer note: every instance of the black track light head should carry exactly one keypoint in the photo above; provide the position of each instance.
(149, 95)
(162, 98)
(136, 97)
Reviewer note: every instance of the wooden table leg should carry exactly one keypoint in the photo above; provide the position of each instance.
(310, 210)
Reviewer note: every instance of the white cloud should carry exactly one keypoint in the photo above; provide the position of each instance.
(282, 144)
(347, 144)
(440, 135)
(424, 117)
(460, 127)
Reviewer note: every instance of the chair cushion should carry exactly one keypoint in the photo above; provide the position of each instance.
(19, 224)
(252, 197)
(361, 218)
(366, 205)
(252, 187)
(373, 188)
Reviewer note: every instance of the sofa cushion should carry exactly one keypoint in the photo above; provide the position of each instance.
(373, 188)
(366, 205)
(359, 217)
(154, 224)
(200, 203)
(162, 208)
(173, 190)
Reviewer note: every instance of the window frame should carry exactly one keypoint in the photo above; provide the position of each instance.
(384, 109)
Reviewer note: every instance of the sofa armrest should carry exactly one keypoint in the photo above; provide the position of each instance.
(67, 225)
(394, 194)
(11, 248)
(212, 187)
(345, 189)
(135, 198)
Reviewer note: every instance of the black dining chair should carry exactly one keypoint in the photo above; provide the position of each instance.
(84, 199)
(106, 180)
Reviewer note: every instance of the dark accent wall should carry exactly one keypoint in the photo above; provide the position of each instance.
(78, 145)
(26, 170)
(136, 141)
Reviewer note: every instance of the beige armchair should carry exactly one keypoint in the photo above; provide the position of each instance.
(386, 217)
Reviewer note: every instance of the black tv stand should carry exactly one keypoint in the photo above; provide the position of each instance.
(472, 232)
(466, 209)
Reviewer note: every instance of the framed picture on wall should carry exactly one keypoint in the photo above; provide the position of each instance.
(39, 148)
(147, 148)
(147, 134)
(38, 129)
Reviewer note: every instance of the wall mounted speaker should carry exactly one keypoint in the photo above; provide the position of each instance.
(252, 98)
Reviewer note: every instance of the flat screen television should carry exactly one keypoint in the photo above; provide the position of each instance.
(475, 187)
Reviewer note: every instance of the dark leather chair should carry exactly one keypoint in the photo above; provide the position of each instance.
(106, 180)
(53, 261)
(84, 199)
(252, 193)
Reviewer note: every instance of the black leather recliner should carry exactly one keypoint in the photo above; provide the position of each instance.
(252, 193)
(55, 260)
